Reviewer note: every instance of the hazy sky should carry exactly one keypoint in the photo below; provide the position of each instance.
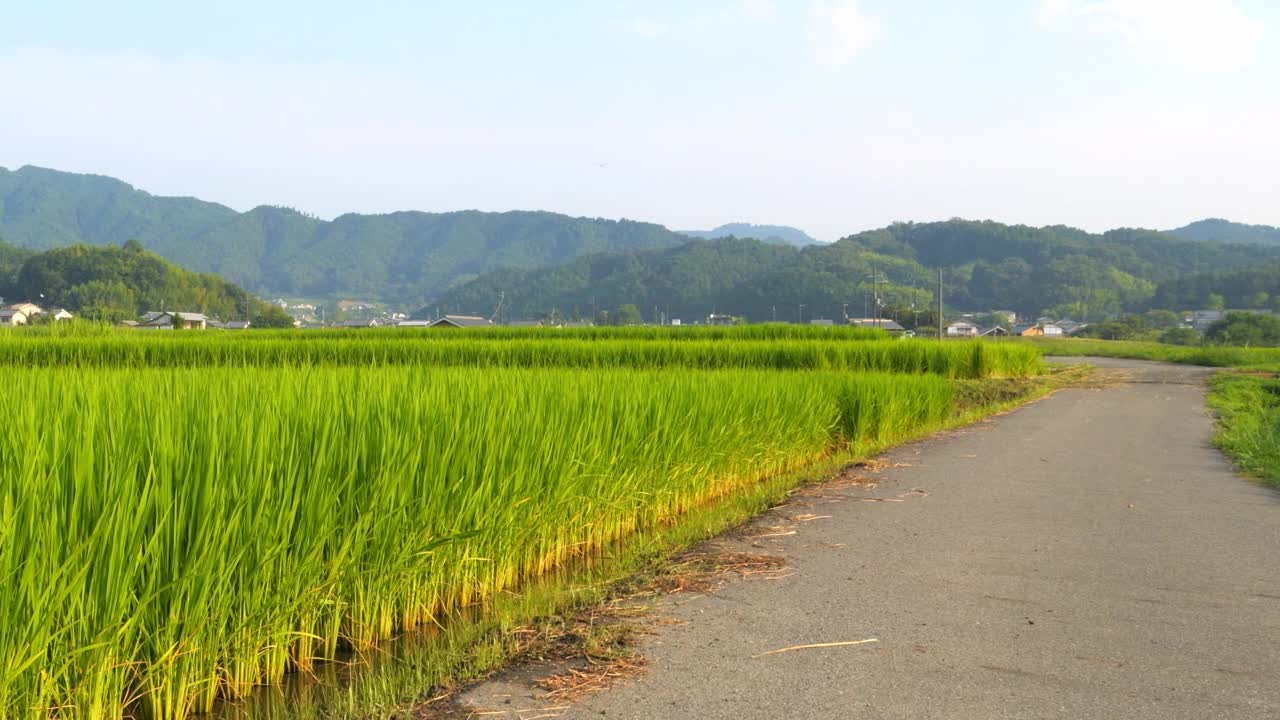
(832, 115)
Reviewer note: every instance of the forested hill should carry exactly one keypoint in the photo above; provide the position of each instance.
(118, 283)
(700, 277)
(775, 234)
(1254, 287)
(1229, 232)
(274, 251)
(986, 266)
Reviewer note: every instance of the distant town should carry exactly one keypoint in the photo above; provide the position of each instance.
(966, 325)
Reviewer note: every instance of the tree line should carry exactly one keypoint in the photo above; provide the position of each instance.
(110, 284)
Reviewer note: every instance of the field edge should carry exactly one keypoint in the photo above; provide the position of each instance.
(507, 633)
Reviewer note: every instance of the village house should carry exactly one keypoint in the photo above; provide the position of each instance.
(168, 320)
(1069, 327)
(19, 314)
(885, 324)
(1046, 329)
(1200, 320)
(719, 319)
(462, 321)
(12, 317)
(28, 309)
(962, 328)
(371, 322)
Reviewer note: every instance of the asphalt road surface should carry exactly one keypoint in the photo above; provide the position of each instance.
(1087, 556)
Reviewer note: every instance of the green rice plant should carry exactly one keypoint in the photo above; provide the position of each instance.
(731, 333)
(169, 536)
(960, 359)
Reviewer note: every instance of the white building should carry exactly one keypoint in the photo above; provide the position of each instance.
(963, 328)
(12, 317)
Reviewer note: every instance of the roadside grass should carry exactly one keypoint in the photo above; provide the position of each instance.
(1206, 355)
(1248, 408)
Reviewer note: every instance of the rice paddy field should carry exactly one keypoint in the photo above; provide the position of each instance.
(186, 516)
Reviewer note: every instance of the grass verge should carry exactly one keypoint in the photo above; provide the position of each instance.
(1248, 408)
(1206, 355)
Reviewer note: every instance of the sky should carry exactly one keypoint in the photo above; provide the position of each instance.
(831, 115)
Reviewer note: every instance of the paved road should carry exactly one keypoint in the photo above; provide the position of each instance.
(1088, 556)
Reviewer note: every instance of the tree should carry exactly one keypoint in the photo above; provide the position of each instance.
(628, 314)
(1180, 336)
(1258, 300)
(1216, 302)
(102, 300)
(272, 316)
(1245, 329)
(1113, 330)
(112, 283)
(1162, 319)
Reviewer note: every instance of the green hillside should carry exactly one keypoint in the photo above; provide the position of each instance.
(1255, 287)
(275, 251)
(116, 283)
(985, 265)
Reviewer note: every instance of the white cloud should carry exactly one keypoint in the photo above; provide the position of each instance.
(1195, 35)
(839, 30)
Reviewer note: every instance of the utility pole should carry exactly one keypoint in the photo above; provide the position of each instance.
(874, 311)
(875, 291)
(800, 321)
(939, 303)
(844, 310)
(774, 308)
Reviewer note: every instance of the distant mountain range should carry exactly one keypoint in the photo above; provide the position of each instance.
(401, 257)
(1058, 271)
(543, 261)
(773, 234)
(1219, 230)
